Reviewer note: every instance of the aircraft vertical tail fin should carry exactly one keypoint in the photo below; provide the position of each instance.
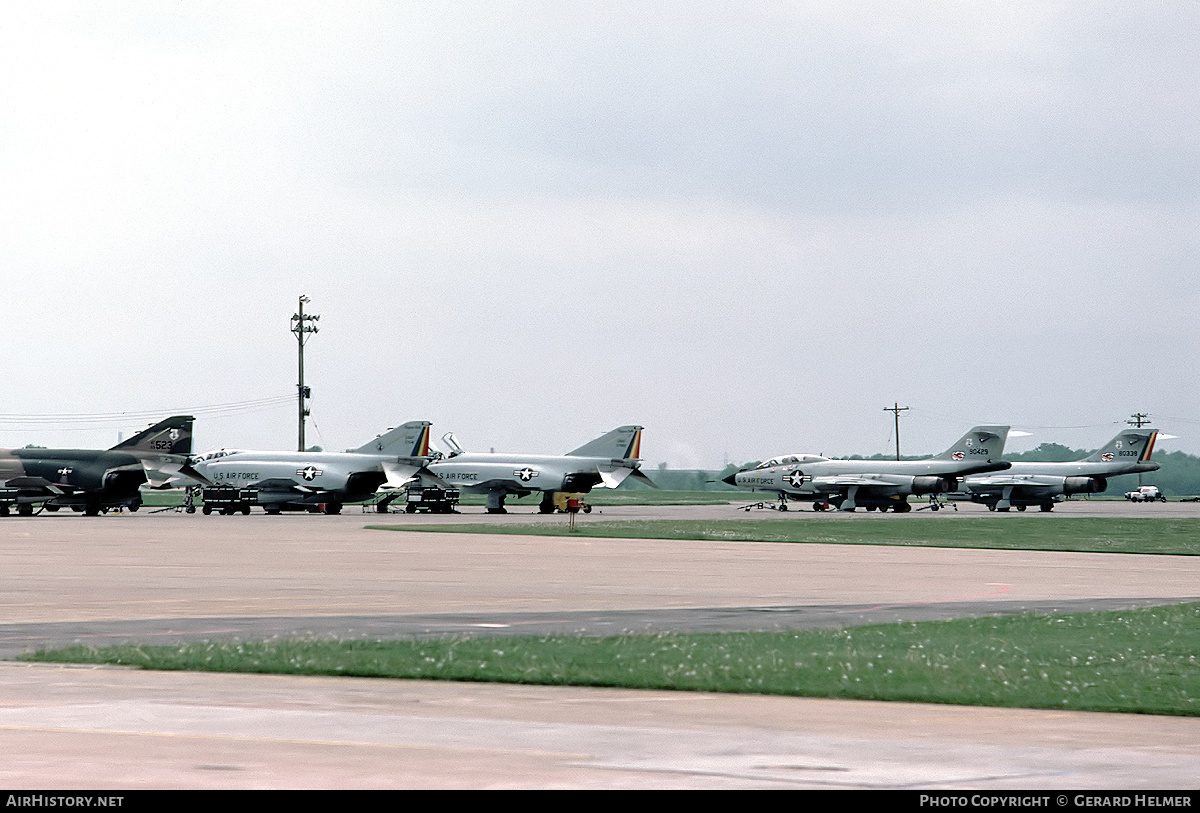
(1131, 444)
(980, 443)
(622, 443)
(409, 440)
(172, 436)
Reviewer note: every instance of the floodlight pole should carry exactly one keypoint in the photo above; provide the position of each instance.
(896, 409)
(303, 328)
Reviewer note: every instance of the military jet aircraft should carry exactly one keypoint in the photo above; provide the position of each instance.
(881, 484)
(605, 462)
(314, 481)
(92, 481)
(1044, 484)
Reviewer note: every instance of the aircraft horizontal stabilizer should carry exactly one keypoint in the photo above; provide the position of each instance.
(638, 474)
(187, 471)
(614, 478)
(400, 473)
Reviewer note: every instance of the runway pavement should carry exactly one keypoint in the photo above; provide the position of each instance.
(173, 576)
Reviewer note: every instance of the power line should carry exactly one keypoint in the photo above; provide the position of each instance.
(93, 418)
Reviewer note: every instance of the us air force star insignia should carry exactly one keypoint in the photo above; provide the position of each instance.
(65, 471)
(309, 472)
(796, 478)
(526, 473)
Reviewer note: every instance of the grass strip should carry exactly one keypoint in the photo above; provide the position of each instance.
(1141, 660)
(1085, 534)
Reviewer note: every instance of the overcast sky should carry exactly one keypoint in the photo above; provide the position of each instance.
(747, 226)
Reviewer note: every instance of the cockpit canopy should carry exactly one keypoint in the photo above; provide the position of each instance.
(791, 460)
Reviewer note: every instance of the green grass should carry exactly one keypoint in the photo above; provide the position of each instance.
(1014, 532)
(1130, 661)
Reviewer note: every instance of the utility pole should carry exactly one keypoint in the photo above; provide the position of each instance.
(896, 409)
(302, 326)
(1140, 419)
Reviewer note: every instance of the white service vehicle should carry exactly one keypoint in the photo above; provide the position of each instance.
(1145, 494)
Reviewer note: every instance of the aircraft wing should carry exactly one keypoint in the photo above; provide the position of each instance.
(848, 480)
(283, 484)
(36, 484)
(997, 480)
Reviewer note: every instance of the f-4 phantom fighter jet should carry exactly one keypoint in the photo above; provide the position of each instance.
(1044, 484)
(605, 462)
(299, 481)
(872, 484)
(92, 481)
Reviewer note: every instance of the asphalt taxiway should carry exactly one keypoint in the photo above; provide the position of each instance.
(164, 577)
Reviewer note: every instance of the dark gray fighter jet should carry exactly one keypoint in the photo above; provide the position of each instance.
(89, 480)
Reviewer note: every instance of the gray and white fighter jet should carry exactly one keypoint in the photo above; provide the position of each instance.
(882, 484)
(281, 481)
(605, 462)
(1044, 484)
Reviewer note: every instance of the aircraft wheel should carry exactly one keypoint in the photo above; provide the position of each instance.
(273, 511)
(587, 509)
(783, 506)
(1047, 506)
(1020, 508)
(934, 507)
(991, 507)
(50, 507)
(410, 509)
(3, 510)
(91, 510)
(818, 507)
(25, 510)
(191, 509)
(333, 508)
(206, 510)
(245, 510)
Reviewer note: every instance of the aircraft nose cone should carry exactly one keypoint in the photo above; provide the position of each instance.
(731, 479)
